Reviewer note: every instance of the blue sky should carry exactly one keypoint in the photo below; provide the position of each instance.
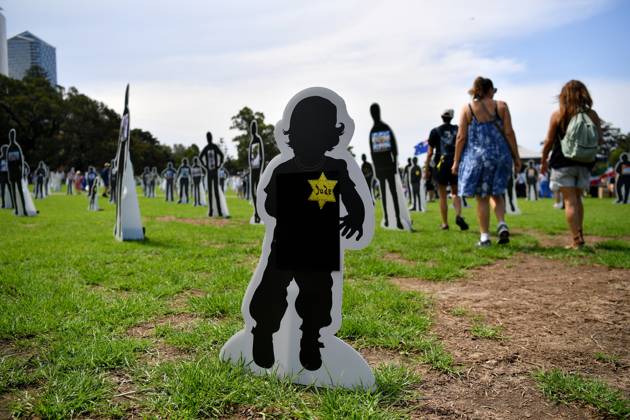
(192, 64)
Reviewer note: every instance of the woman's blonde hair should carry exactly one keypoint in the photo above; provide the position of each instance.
(574, 97)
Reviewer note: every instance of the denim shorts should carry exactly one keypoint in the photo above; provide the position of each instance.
(570, 177)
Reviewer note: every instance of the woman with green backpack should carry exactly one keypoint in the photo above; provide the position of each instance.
(573, 137)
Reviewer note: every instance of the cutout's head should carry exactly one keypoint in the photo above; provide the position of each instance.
(375, 112)
(624, 157)
(209, 137)
(185, 161)
(408, 160)
(253, 128)
(196, 160)
(154, 169)
(91, 169)
(12, 135)
(363, 158)
(146, 169)
(40, 164)
(415, 160)
(530, 163)
(313, 128)
(169, 164)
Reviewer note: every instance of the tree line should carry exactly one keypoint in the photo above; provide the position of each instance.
(66, 128)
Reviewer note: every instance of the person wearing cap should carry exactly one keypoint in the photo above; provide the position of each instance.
(485, 154)
(441, 152)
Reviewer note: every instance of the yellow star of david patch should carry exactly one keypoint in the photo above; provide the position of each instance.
(322, 190)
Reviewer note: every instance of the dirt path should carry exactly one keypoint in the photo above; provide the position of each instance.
(552, 316)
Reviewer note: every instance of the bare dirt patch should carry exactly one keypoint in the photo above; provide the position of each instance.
(207, 221)
(180, 301)
(553, 315)
(147, 329)
(546, 240)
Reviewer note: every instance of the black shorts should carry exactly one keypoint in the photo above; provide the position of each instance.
(444, 174)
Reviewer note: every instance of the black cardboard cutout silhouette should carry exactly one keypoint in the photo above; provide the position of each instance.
(183, 175)
(153, 181)
(146, 181)
(385, 158)
(314, 203)
(128, 225)
(169, 174)
(256, 158)
(91, 179)
(18, 173)
(407, 179)
(531, 177)
(622, 185)
(368, 173)
(197, 172)
(511, 201)
(211, 157)
(415, 185)
(40, 179)
(5, 194)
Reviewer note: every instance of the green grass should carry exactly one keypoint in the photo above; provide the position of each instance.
(566, 388)
(69, 294)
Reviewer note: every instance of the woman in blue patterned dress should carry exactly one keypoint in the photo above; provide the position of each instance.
(485, 153)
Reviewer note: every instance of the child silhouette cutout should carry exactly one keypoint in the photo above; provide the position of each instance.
(314, 202)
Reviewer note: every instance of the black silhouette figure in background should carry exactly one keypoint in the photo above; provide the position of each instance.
(256, 158)
(223, 176)
(211, 157)
(169, 176)
(183, 175)
(510, 192)
(112, 181)
(70, 180)
(368, 173)
(415, 178)
(152, 182)
(146, 180)
(406, 180)
(40, 178)
(385, 157)
(531, 175)
(17, 169)
(46, 180)
(4, 176)
(197, 172)
(306, 240)
(91, 179)
(622, 168)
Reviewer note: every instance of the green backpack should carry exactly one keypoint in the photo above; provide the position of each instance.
(580, 141)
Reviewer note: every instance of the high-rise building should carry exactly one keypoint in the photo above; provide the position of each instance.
(26, 50)
(4, 59)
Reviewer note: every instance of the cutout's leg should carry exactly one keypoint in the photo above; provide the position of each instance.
(313, 305)
(267, 308)
(382, 182)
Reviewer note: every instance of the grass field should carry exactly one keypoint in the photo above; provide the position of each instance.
(93, 327)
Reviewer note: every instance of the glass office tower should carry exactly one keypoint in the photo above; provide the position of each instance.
(27, 50)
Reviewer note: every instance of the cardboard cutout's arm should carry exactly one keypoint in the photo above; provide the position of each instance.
(203, 157)
(394, 146)
(262, 154)
(270, 201)
(353, 222)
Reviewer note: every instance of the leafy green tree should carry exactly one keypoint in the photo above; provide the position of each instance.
(241, 122)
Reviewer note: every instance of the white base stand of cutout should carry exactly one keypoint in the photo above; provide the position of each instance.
(130, 223)
(222, 203)
(29, 206)
(405, 217)
(8, 204)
